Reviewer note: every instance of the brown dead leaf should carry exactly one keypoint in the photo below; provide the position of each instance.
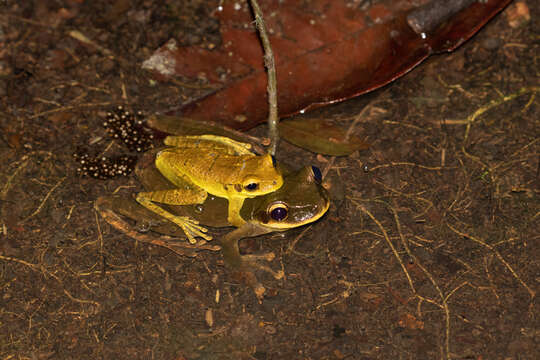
(325, 51)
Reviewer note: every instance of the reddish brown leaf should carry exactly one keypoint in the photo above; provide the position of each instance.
(326, 51)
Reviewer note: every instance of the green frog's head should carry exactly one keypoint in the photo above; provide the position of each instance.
(301, 200)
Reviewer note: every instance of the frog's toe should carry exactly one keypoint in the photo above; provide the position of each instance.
(269, 256)
(254, 261)
(192, 229)
(280, 274)
(248, 277)
(193, 233)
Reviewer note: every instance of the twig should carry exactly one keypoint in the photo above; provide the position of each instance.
(292, 245)
(273, 131)
(25, 20)
(357, 119)
(6, 187)
(444, 299)
(26, 263)
(531, 292)
(494, 103)
(388, 241)
(22, 164)
(404, 163)
(44, 200)
(100, 238)
(70, 107)
(77, 35)
(35, 267)
(81, 301)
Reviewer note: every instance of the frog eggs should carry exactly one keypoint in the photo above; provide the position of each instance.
(104, 167)
(128, 127)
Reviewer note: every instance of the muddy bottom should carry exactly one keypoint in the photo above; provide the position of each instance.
(431, 254)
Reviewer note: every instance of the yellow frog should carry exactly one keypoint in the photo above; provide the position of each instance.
(209, 164)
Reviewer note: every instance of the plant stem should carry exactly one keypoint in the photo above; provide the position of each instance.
(273, 132)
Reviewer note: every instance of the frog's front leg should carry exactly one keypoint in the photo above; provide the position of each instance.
(233, 216)
(191, 227)
(244, 263)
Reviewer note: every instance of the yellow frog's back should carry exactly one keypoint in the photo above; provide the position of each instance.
(221, 174)
(219, 165)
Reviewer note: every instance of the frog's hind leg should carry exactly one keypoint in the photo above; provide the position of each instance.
(118, 210)
(245, 264)
(191, 227)
(181, 192)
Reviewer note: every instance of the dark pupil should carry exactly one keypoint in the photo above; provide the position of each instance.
(278, 214)
(316, 174)
(252, 186)
(273, 161)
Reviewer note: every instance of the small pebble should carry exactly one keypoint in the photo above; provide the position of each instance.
(518, 14)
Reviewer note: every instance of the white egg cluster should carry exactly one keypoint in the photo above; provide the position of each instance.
(128, 127)
(105, 167)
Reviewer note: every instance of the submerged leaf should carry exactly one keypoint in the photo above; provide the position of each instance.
(178, 125)
(320, 136)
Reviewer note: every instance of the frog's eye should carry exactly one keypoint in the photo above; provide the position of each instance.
(317, 176)
(274, 162)
(251, 186)
(278, 212)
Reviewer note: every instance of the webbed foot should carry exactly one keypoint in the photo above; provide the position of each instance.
(191, 228)
(247, 264)
(253, 261)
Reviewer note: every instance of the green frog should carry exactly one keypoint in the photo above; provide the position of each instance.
(300, 200)
(199, 165)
